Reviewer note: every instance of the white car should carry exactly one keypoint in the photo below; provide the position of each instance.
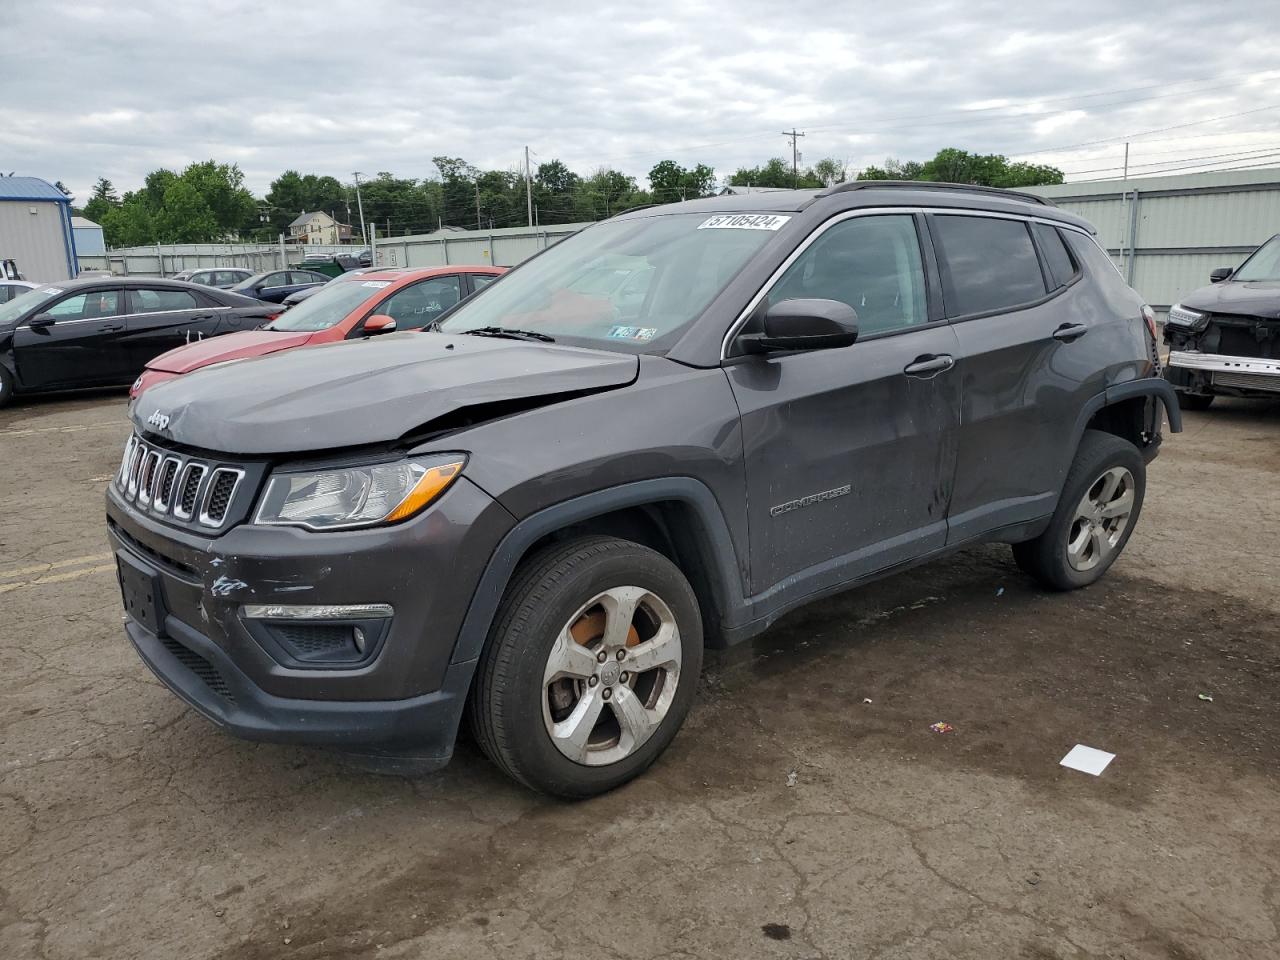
(12, 289)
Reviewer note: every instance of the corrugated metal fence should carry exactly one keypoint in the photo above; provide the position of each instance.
(504, 248)
(1167, 233)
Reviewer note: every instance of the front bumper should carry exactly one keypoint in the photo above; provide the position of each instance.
(417, 733)
(405, 699)
(1207, 371)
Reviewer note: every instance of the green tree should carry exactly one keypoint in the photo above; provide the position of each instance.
(671, 182)
(185, 216)
(128, 224)
(830, 171)
(775, 173)
(102, 201)
(292, 194)
(952, 165)
(555, 190)
(457, 192)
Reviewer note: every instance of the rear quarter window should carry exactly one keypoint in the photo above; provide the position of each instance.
(988, 264)
(1062, 267)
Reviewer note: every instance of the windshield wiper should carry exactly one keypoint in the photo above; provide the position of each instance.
(510, 333)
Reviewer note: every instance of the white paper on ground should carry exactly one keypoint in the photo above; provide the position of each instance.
(1087, 759)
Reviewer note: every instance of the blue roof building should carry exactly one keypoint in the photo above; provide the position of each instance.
(35, 229)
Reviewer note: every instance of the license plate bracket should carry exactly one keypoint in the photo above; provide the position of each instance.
(141, 592)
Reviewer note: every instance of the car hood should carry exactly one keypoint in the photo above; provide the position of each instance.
(370, 391)
(1250, 298)
(231, 346)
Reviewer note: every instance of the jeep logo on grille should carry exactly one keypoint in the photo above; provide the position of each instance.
(158, 420)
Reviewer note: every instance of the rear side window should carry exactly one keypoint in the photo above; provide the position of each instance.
(481, 280)
(988, 264)
(1061, 267)
(160, 301)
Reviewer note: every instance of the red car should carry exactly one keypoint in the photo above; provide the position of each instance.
(354, 305)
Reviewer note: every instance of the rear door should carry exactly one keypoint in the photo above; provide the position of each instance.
(162, 318)
(850, 452)
(82, 347)
(1024, 359)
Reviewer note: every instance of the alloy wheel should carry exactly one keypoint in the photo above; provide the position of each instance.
(1101, 518)
(611, 676)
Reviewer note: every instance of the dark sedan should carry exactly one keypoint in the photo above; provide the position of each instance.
(275, 285)
(102, 332)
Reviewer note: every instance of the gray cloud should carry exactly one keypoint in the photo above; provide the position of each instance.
(95, 89)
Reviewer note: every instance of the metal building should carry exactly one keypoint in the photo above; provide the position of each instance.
(1166, 233)
(90, 241)
(35, 229)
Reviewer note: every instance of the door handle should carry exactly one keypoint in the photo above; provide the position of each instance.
(929, 365)
(110, 327)
(1070, 331)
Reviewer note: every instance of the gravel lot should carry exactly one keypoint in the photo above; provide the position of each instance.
(791, 818)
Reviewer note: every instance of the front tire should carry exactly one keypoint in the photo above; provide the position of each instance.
(1096, 514)
(590, 668)
(7, 386)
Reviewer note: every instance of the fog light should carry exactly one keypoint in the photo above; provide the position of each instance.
(359, 639)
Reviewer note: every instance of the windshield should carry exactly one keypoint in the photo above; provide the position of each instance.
(1264, 264)
(329, 306)
(624, 284)
(16, 307)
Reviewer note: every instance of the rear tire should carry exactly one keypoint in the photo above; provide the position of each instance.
(1099, 507)
(1194, 401)
(554, 703)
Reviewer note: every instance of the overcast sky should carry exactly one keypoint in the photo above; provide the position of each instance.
(91, 89)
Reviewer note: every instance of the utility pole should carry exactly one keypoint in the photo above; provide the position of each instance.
(795, 136)
(477, 204)
(1126, 248)
(528, 186)
(360, 203)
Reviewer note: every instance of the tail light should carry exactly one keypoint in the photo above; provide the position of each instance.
(1149, 316)
(272, 316)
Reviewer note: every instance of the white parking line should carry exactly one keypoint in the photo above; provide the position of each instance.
(55, 565)
(58, 578)
(32, 431)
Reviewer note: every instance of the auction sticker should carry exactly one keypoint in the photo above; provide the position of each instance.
(376, 284)
(642, 334)
(744, 221)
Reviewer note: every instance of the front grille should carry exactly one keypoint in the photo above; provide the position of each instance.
(1247, 381)
(220, 490)
(201, 667)
(186, 489)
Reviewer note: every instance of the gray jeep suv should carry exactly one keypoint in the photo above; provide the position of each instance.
(662, 432)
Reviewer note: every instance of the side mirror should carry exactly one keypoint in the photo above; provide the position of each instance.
(379, 323)
(804, 325)
(1222, 273)
(40, 321)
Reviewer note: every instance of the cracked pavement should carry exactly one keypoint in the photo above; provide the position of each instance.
(131, 828)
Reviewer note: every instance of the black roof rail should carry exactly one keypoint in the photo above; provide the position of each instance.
(936, 185)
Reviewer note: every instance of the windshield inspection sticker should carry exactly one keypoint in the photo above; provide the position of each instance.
(641, 334)
(744, 221)
(376, 284)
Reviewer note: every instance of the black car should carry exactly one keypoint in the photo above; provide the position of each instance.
(535, 513)
(224, 278)
(102, 332)
(275, 285)
(1224, 339)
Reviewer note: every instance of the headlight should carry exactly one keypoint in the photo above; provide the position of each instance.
(357, 496)
(1180, 316)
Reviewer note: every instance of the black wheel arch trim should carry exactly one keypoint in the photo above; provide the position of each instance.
(718, 550)
(1157, 387)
